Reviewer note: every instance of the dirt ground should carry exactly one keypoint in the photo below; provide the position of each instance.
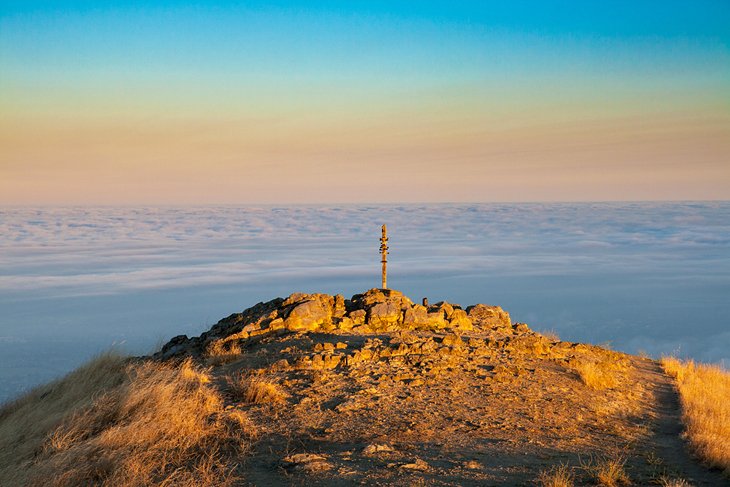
(487, 406)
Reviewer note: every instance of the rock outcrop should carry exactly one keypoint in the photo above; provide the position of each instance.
(376, 311)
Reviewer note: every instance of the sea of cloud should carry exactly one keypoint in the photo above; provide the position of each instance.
(651, 277)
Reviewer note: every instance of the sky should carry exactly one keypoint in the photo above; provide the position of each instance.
(164, 102)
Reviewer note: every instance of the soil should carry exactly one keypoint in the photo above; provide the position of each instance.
(494, 405)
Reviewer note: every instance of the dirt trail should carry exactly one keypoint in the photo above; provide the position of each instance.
(667, 430)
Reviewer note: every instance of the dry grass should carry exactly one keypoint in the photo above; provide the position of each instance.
(150, 424)
(598, 375)
(670, 482)
(556, 476)
(551, 335)
(608, 472)
(705, 394)
(224, 351)
(256, 389)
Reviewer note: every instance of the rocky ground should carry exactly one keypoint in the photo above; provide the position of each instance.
(378, 390)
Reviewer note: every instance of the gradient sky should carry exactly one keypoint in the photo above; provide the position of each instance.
(166, 102)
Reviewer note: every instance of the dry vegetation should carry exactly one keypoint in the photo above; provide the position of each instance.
(557, 476)
(255, 389)
(602, 373)
(705, 394)
(222, 352)
(119, 423)
(608, 472)
(670, 482)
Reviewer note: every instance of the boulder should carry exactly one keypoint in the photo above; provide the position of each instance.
(444, 307)
(382, 316)
(415, 316)
(460, 320)
(308, 315)
(488, 316)
(358, 316)
(376, 296)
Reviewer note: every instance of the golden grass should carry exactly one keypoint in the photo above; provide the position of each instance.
(224, 351)
(123, 424)
(556, 476)
(608, 472)
(704, 391)
(601, 374)
(254, 389)
(670, 482)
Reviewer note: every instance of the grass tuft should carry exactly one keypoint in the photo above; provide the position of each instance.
(557, 476)
(704, 391)
(254, 389)
(221, 352)
(670, 482)
(597, 375)
(608, 471)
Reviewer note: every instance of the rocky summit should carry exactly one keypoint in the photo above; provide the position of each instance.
(376, 311)
(379, 390)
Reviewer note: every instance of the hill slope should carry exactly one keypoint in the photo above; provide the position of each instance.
(322, 390)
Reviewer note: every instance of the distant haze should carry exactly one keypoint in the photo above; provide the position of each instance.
(311, 102)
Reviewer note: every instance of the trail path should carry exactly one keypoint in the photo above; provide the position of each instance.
(667, 429)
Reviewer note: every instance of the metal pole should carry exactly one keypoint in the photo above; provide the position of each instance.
(384, 255)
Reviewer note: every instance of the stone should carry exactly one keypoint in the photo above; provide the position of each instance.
(376, 296)
(175, 345)
(415, 316)
(251, 327)
(520, 328)
(382, 316)
(488, 316)
(338, 308)
(294, 298)
(436, 320)
(419, 464)
(358, 316)
(345, 324)
(277, 324)
(452, 340)
(460, 320)
(332, 361)
(308, 462)
(375, 448)
(443, 306)
(307, 316)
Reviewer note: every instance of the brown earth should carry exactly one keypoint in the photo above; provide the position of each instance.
(376, 390)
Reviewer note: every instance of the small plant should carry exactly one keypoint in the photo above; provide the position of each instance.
(596, 375)
(670, 482)
(551, 335)
(557, 476)
(257, 390)
(222, 352)
(608, 472)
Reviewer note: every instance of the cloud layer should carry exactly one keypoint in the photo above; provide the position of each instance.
(644, 276)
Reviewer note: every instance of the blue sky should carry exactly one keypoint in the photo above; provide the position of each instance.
(117, 92)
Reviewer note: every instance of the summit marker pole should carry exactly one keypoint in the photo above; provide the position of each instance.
(384, 255)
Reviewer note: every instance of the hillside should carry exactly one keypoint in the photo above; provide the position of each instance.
(323, 390)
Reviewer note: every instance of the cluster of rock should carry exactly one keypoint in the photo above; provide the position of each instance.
(376, 311)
